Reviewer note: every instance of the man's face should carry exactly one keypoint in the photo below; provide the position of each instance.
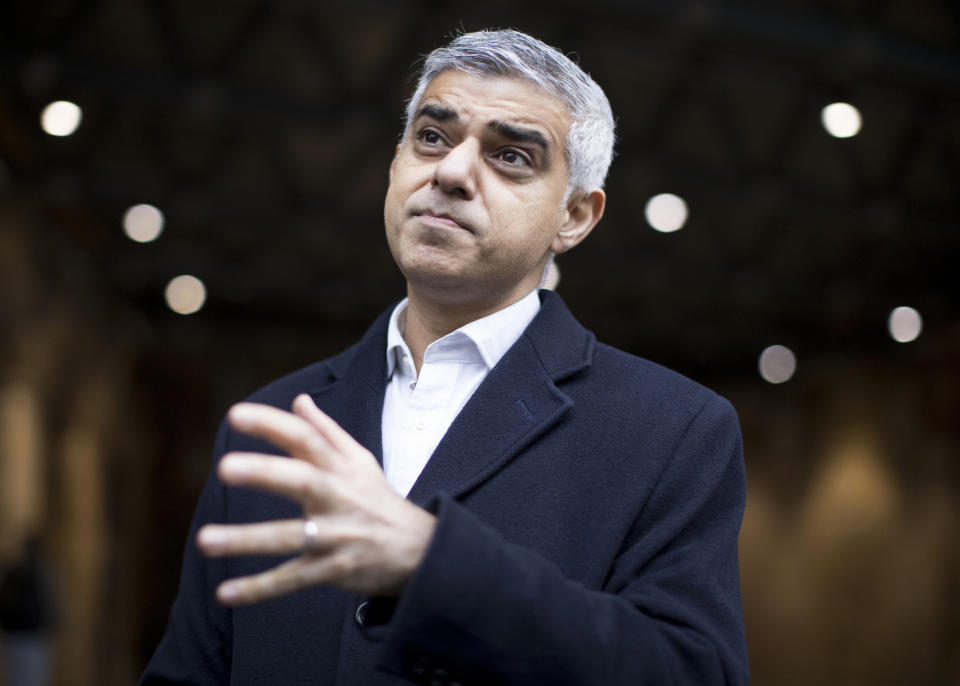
(476, 195)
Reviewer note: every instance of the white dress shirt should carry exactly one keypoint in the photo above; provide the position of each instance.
(417, 411)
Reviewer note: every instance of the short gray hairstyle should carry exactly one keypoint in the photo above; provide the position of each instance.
(589, 145)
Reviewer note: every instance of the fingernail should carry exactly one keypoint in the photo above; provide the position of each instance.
(228, 591)
(211, 537)
(234, 465)
(304, 398)
(240, 415)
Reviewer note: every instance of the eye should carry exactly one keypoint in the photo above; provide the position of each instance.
(430, 137)
(513, 157)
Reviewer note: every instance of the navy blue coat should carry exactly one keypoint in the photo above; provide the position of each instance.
(588, 504)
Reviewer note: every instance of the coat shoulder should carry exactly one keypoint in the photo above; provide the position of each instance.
(633, 371)
(645, 386)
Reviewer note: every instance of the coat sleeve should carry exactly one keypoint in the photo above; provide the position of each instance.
(196, 646)
(480, 608)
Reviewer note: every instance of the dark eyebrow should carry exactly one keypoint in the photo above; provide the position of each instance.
(511, 131)
(520, 134)
(436, 112)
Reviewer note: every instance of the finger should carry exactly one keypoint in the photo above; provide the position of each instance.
(293, 479)
(333, 433)
(283, 537)
(283, 429)
(290, 576)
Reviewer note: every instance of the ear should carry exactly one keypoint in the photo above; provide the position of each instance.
(393, 162)
(582, 213)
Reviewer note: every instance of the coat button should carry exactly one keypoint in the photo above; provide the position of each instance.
(420, 667)
(360, 616)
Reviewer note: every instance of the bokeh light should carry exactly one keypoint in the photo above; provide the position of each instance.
(143, 223)
(905, 324)
(185, 294)
(666, 212)
(61, 118)
(777, 364)
(841, 120)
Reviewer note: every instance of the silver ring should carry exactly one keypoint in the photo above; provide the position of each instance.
(311, 535)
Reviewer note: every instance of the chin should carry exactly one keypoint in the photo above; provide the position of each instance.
(424, 277)
(434, 275)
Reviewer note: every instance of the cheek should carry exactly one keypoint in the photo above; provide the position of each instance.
(405, 183)
(393, 204)
(534, 223)
(389, 203)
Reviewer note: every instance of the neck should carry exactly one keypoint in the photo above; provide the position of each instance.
(427, 320)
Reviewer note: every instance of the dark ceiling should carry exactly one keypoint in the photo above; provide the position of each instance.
(263, 130)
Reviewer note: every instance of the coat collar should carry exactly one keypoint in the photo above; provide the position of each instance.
(517, 402)
(561, 343)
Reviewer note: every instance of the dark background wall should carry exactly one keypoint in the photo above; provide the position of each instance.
(263, 131)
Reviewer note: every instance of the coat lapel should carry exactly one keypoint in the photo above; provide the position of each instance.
(517, 403)
(354, 399)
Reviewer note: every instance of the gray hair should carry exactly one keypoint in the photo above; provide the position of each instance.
(589, 145)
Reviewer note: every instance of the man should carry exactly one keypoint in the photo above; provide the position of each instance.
(549, 510)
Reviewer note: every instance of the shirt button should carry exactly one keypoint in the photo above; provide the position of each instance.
(420, 423)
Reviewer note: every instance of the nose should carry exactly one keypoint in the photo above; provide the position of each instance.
(456, 173)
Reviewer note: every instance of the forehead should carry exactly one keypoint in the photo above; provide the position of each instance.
(484, 99)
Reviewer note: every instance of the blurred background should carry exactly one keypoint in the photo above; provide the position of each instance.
(191, 205)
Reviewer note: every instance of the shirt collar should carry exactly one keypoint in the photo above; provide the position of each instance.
(395, 344)
(491, 335)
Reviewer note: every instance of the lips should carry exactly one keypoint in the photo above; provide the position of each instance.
(442, 219)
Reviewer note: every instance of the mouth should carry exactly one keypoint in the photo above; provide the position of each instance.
(441, 219)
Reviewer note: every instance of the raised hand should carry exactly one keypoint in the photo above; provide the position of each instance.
(356, 532)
